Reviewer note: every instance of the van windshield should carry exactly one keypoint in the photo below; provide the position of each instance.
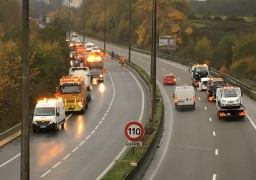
(64, 89)
(44, 111)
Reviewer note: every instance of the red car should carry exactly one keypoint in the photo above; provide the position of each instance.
(169, 79)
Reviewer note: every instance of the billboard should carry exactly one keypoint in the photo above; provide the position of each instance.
(167, 43)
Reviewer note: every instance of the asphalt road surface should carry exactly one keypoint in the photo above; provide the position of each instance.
(91, 141)
(196, 144)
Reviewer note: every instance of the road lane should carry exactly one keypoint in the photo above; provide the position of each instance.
(89, 140)
(203, 148)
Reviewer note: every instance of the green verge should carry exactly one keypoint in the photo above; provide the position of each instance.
(122, 168)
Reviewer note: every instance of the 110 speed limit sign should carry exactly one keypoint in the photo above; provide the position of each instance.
(134, 131)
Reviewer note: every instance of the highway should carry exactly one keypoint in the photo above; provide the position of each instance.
(196, 144)
(91, 141)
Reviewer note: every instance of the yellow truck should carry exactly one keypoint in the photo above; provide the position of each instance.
(73, 92)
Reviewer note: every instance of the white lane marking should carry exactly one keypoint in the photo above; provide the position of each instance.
(163, 69)
(69, 116)
(10, 160)
(214, 177)
(103, 118)
(74, 149)
(214, 134)
(66, 156)
(105, 114)
(178, 78)
(92, 131)
(125, 147)
(205, 108)
(173, 65)
(216, 152)
(97, 127)
(147, 62)
(140, 59)
(168, 135)
(88, 137)
(81, 143)
(45, 173)
(199, 98)
(56, 165)
(107, 110)
(251, 121)
(185, 84)
(210, 119)
(100, 122)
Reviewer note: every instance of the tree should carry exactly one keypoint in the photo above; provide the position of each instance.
(202, 50)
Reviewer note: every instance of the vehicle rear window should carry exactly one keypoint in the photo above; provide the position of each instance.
(218, 83)
(169, 77)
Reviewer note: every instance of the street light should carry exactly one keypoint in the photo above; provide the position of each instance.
(130, 21)
(154, 63)
(105, 24)
(69, 17)
(84, 24)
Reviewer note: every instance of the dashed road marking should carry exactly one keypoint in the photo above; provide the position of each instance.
(199, 98)
(214, 177)
(92, 131)
(81, 143)
(205, 108)
(66, 156)
(74, 149)
(56, 165)
(214, 134)
(97, 127)
(216, 152)
(210, 119)
(88, 137)
(45, 173)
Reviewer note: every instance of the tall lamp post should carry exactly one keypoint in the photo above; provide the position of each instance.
(130, 21)
(154, 64)
(105, 24)
(24, 162)
(69, 17)
(84, 24)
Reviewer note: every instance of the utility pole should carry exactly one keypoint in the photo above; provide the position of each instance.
(154, 64)
(152, 44)
(24, 162)
(69, 17)
(105, 24)
(130, 22)
(58, 10)
(84, 24)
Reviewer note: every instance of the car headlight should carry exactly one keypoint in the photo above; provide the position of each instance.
(196, 73)
(101, 75)
(237, 100)
(79, 103)
(223, 100)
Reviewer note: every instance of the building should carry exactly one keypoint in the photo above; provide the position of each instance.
(73, 3)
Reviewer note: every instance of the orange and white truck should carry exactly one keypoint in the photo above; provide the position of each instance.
(73, 92)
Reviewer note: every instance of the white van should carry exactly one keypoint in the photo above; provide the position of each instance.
(49, 114)
(89, 46)
(184, 97)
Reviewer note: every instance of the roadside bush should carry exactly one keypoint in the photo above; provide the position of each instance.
(234, 18)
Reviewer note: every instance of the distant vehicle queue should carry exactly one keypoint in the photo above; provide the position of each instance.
(228, 98)
(74, 90)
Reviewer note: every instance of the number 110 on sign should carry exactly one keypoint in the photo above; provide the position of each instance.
(134, 131)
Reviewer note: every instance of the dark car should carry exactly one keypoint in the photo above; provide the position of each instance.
(212, 85)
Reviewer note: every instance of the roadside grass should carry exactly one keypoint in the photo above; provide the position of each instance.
(122, 168)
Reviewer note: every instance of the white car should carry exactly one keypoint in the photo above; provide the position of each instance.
(229, 97)
(202, 84)
(95, 49)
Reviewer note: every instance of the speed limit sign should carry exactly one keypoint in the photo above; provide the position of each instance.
(134, 131)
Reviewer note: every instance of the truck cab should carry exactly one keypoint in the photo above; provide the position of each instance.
(73, 92)
(85, 73)
(48, 114)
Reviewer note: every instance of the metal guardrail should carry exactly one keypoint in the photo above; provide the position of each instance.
(246, 88)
